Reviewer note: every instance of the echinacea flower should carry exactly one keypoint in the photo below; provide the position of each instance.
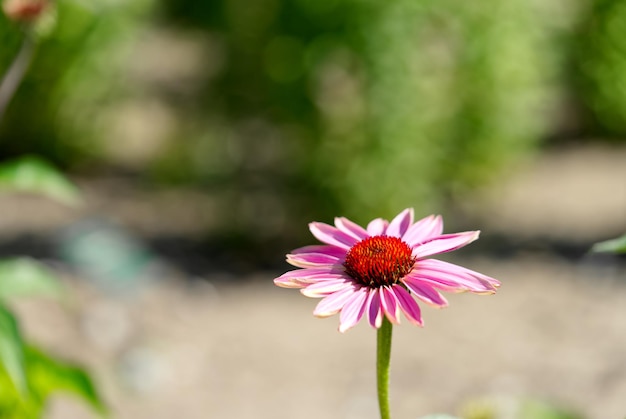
(377, 271)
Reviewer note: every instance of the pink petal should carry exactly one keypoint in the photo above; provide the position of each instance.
(353, 310)
(408, 305)
(447, 285)
(451, 277)
(290, 283)
(401, 223)
(333, 303)
(460, 271)
(325, 249)
(317, 272)
(324, 276)
(374, 313)
(351, 228)
(425, 229)
(307, 260)
(425, 292)
(324, 288)
(377, 227)
(331, 235)
(445, 243)
(390, 305)
(299, 278)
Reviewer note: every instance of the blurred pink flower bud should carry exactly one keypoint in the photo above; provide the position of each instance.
(24, 10)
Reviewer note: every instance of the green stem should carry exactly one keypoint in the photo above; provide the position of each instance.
(383, 356)
(14, 75)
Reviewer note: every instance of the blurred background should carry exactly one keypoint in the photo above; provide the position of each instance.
(204, 136)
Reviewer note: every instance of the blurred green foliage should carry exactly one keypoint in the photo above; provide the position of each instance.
(29, 376)
(291, 110)
(11, 351)
(617, 245)
(24, 277)
(601, 65)
(600, 59)
(34, 175)
(369, 107)
(46, 376)
(513, 407)
(74, 64)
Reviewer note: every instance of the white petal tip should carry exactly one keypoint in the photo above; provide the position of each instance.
(287, 284)
(342, 329)
(310, 294)
(324, 315)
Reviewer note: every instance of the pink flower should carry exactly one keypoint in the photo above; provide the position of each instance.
(377, 270)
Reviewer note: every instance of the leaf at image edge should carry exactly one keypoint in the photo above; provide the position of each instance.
(12, 349)
(35, 175)
(617, 245)
(27, 277)
(48, 375)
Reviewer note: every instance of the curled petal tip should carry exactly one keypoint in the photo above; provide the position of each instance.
(342, 329)
(287, 283)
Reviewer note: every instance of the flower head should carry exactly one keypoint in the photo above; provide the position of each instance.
(377, 271)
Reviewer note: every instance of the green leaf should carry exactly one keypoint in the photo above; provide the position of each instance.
(47, 375)
(34, 175)
(534, 409)
(12, 349)
(26, 277)
(613, 246)
(13, 405)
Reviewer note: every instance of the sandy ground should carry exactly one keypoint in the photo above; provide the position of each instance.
(554, 332)
(222, 346)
